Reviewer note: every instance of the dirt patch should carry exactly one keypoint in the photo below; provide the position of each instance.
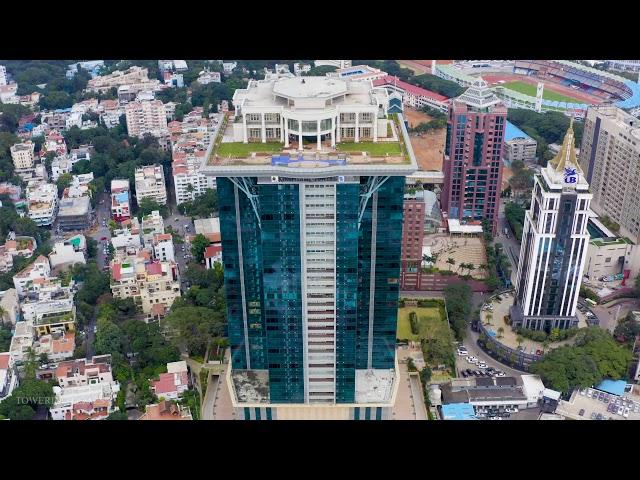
(507, 173)
(427, 147)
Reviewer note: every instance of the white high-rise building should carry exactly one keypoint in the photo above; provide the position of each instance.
(22, 155)
(554, 245)
(3, 75)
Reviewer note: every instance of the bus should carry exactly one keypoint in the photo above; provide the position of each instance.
(593, 303)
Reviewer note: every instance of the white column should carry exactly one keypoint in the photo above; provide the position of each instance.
(263, 129)
(375, 128)
(281, 128)
(318, 135)
(338, 129)
(300, 147)
(333, 131)
(357, 139)
(244, 128)
(286, 131)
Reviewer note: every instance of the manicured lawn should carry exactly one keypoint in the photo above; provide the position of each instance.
(404, 327)
(373, 149)
(239, 149)
(529, 89)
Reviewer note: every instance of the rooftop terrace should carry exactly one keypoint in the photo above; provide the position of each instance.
(393, 157)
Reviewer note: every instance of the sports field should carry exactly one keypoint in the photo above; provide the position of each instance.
(529, 89)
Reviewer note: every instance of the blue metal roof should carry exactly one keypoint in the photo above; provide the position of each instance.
(634, 99)
(458, 411)
(615, 387)
(512, 132)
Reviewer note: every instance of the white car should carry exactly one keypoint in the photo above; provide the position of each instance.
(589, 393)
(500, 374)
(582, 392)
(625, 413)
(463, 353)
(620, 410)
(482, 366)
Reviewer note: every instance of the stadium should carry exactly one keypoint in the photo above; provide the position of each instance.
(569, 87)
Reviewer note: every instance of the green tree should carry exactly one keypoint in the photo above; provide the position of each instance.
(458, 303)
(519, 340)
(148, 205)
(108, 337)
(500, 332)
(193, 328)
(64, 181)
(198, 246)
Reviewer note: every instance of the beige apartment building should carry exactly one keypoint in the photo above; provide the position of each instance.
(146, 117)
(22, 155)
(154, 285)
(610, 158)
(131, 76)
(150, 184)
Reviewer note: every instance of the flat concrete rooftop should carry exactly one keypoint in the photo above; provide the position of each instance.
(374, 386)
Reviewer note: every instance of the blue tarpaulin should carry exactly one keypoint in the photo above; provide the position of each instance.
(458, 411)
(615, 387)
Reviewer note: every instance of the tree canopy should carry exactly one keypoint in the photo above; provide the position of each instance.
(458, 301)
(594, 356)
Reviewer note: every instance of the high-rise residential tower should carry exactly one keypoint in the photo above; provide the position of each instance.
(554, 245)
(311, 241)
(610, 158)
(472, 158)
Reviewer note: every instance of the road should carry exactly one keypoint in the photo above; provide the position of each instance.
(510, 245)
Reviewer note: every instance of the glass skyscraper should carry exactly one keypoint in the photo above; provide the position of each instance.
(311, 247)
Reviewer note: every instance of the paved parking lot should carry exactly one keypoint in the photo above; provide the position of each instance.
(462, 364)
(594, 405)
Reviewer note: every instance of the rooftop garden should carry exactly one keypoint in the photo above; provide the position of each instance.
(239, 149)
(378, 149)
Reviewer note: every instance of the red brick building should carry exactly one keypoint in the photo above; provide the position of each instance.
(472, 159)
(412, 237)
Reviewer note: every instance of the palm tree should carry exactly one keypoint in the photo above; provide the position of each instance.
(519, 340)
(451, 262)
(470, 267)
(500, 332)
(427, 259)
(489, 317)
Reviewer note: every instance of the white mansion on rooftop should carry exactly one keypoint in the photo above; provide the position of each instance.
(284, 108)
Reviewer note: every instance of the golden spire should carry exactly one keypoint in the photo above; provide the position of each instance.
(567, 154)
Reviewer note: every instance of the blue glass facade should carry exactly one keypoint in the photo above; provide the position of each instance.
(271, 261)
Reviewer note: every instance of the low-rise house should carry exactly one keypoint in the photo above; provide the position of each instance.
(15, 247)
(13, 191)
(206, 77)
(8, 375)
(172, 384)
(66, 254)
(212, 254)
(166, 411)
(56, 346)
(82, 382)
(40, 269)
(53, 142)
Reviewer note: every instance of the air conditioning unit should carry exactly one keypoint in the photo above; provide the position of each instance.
(274, 179)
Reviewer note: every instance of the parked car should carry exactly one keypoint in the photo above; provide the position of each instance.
(462, 353)
(482, 366)
(594, 416)
(464, 374)
(501, 374)
(581, 412)
(625, 413)
(620, 410)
